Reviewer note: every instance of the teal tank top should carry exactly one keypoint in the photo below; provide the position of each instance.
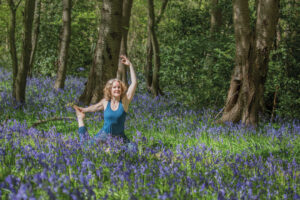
(114, 120)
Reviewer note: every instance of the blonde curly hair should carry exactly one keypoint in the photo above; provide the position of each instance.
(108, 86)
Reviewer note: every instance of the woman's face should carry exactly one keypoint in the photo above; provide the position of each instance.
(116, 89)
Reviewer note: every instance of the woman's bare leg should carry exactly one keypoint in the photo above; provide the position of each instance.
(80, 117)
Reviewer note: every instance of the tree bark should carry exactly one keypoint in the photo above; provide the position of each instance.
(26, 49)
(149, 64)
(35, 35)
(64, 46)
(153, 47)
(245, 95)
(215, 16)
(106, 56)
(267, 19)
(12, 44)
(148, 71)
(126, 13)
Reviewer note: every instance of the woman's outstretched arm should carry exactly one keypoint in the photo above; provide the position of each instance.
(93, 108)
(133, 85)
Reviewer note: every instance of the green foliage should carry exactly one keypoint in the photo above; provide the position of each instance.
(284, 65)
(5, 16)
(84, 36)
(196, 65)
(48, 41)
(85, 21)
(283, 73)
(197, 75)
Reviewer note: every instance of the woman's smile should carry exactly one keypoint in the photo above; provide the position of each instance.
(116, 89)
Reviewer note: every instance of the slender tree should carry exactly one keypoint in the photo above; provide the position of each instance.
(106, 56)
(149, 63)
(12, 42)
(245, 95)
(126, 13)
(215, 16)
(64, 45)
(152, 74)
(26, 50)
(35, 34)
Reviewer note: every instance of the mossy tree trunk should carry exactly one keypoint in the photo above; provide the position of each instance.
(245, 95)
(152, 73)
(106, 56)
(12, 43)
(126, 13)
(64, 45)
(35, 34)
(26, 50)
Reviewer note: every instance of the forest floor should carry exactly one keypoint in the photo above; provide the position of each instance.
(175, 153)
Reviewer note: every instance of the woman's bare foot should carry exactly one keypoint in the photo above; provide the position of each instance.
(80, 116)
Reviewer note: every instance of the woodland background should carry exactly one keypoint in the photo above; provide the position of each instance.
(237, 61)
(197, 53)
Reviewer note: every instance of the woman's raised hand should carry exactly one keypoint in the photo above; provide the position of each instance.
(125, 60)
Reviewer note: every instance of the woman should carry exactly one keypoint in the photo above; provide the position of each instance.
(115, 105)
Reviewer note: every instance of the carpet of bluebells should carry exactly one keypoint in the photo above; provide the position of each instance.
(175, 153)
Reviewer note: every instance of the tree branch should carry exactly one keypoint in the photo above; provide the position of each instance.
(50, 119)
(161, 11)
(18, 4)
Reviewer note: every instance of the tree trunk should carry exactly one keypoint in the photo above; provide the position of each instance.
(153, 46)
(127, 5)
(64, 46)
(267, 19)
(106, 56)
(215, 17)
(148, 71)
(252, 55)
(26, 49)
(148, 66)
(12, 44)
(35, 35)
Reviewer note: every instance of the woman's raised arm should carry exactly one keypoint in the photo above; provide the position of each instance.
(133, 85)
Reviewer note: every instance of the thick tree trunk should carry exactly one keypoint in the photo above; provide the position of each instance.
(64, 46)
(235, 100)
(126, 13)
(105, 63)
(215, 16)
(12, 44)
(26, 49)
(245, 95)
(35, 35)
(267, 19)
